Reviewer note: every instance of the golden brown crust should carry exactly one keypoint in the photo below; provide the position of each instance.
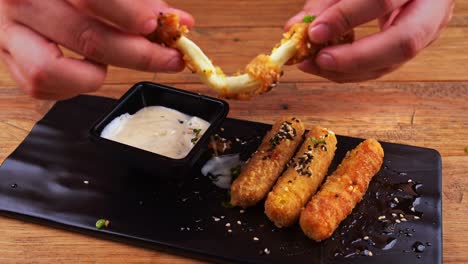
(265, 71)
(267, 163)
(342, 191)
(302, 178)
(168, 30)
(307, 49)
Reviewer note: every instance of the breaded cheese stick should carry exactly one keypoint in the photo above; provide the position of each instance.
(302, 178)
(341, 191)
(267, 163)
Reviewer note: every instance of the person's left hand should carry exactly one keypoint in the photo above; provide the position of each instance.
(407, 27)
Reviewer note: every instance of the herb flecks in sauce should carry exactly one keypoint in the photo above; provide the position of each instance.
(196, 132)
(157, 129)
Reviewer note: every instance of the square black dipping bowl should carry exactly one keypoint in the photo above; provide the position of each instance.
(146, 94)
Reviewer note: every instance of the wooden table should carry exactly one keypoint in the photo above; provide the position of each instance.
(425, 103)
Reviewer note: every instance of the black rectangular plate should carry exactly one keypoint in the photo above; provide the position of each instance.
(59, 177)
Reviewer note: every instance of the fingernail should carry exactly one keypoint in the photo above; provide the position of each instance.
(175, 65)
(149, 26)
(320, 33)
(326, 61)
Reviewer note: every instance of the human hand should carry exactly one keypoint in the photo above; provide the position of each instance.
(407, 27)
(107, 32)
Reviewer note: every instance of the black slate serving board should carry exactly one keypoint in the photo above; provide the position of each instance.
(59, 177)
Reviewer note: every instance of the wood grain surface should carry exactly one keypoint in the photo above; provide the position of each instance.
(425, 103)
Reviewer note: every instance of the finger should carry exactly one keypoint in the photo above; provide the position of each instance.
(137, 17)
(449, 15)
(414, 28)
(13, 68)
(312, 7)
(94, 39)
(39, 66)
(345, 15)
(310, 67)
(185, 18)
(387, 20)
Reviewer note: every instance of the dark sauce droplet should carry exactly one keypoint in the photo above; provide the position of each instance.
(14, 185)
(379, 222)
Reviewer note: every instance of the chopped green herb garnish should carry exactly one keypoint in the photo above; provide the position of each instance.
(235, 171)
(101, 223)
(466, 149)
(197, 135)
(308, 19)
(227, 204)
(317, 142)
(196, 131)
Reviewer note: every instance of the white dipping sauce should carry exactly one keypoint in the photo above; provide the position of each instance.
(219, 169)
(157, 129)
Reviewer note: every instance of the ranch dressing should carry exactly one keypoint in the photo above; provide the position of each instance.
(157, 129)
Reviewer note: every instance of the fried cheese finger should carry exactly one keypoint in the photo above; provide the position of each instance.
(302, 178)
(260, 75)
(341, 191)
(267, 163)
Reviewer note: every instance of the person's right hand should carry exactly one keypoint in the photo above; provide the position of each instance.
(109, 32)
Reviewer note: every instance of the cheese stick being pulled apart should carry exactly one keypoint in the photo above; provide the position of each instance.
(342, 191)
(302, 178)
(260, 75)
(267, 163)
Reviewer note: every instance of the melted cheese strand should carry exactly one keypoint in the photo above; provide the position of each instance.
(261, 74)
